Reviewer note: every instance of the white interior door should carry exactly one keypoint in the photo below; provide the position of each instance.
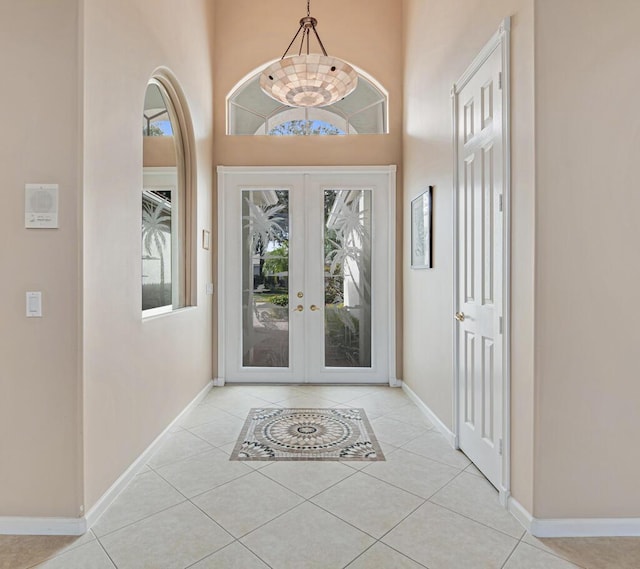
(480, 230)
(305, 271)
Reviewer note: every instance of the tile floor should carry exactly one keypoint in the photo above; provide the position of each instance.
(425, 507)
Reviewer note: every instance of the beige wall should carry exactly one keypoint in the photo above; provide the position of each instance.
(588, 145)
(138, 374)
(366, 33)
(39, 364)
(441, 40)
(158, 151)
(249, 34)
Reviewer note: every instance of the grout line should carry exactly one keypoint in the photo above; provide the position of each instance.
(552, 553)
(473, 519)
(409, 491)
(462, 469)
(255, 554)
(314, 495)
(405, 554)
(129, 524)
(106, 552)
(359, 556)
(266, 523)
(243, 475)
(343, 520)
(154, 467)
(510, 555)
(225, 530)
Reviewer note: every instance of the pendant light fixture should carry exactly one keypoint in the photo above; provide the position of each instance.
(308, 79)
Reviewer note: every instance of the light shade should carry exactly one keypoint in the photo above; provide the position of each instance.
(311, 80)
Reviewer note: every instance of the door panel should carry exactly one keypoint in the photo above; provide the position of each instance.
(480, 241)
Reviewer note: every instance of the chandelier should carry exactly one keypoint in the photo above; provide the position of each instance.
(308, 79)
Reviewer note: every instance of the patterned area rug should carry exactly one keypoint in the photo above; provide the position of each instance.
(307, 434)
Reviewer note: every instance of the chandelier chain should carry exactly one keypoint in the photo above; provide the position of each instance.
(308, 7)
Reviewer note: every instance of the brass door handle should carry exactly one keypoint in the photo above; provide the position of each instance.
(315, 308)
(298, 308)
(460, 316)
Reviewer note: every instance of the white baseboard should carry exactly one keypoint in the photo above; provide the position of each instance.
(77, 526)
(520, 513)
(42, 526)
(430, 415)
(575, 527)
(121, 483)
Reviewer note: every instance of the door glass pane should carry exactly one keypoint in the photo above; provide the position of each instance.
(347, 278)
(265, 278)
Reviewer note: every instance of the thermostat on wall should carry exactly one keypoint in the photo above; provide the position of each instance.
(41, 206)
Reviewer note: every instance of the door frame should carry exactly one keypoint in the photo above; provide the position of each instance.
(499, 41)
(222, 171)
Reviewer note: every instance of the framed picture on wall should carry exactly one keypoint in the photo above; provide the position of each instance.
(421, 230)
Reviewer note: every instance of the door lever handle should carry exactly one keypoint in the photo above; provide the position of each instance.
(460, 316)
(298, 308)
(315, 308)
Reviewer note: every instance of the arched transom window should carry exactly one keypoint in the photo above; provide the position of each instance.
(251, 112)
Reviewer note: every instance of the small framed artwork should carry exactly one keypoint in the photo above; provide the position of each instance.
(421, 230)
(206, 239)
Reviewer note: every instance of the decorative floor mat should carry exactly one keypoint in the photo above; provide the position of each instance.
(307, 434)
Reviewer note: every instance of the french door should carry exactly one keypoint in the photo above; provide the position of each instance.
(305, 275)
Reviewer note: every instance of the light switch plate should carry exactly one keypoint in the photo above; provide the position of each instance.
(34, 305)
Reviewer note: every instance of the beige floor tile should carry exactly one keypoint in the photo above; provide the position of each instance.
(203, 414)
(593, 552)
(411, 415)
(178, 446)
(309, 402)
(247, 503)
(273, 393)
(147, 494)
(475, 498)
(368, 503)
(528, 557)
(89, 556)
(307, 537)
(23, 551)
(234, 556)
(340, 394)
(240, 405)
(394, 432)
(382, 557)
(307, 478)
(381, 402)
(413, 473)
(203, 472)
(221, 430)
(472, 469)
(228, 393)
(172, 539)
(441, 539)
(434, 446)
